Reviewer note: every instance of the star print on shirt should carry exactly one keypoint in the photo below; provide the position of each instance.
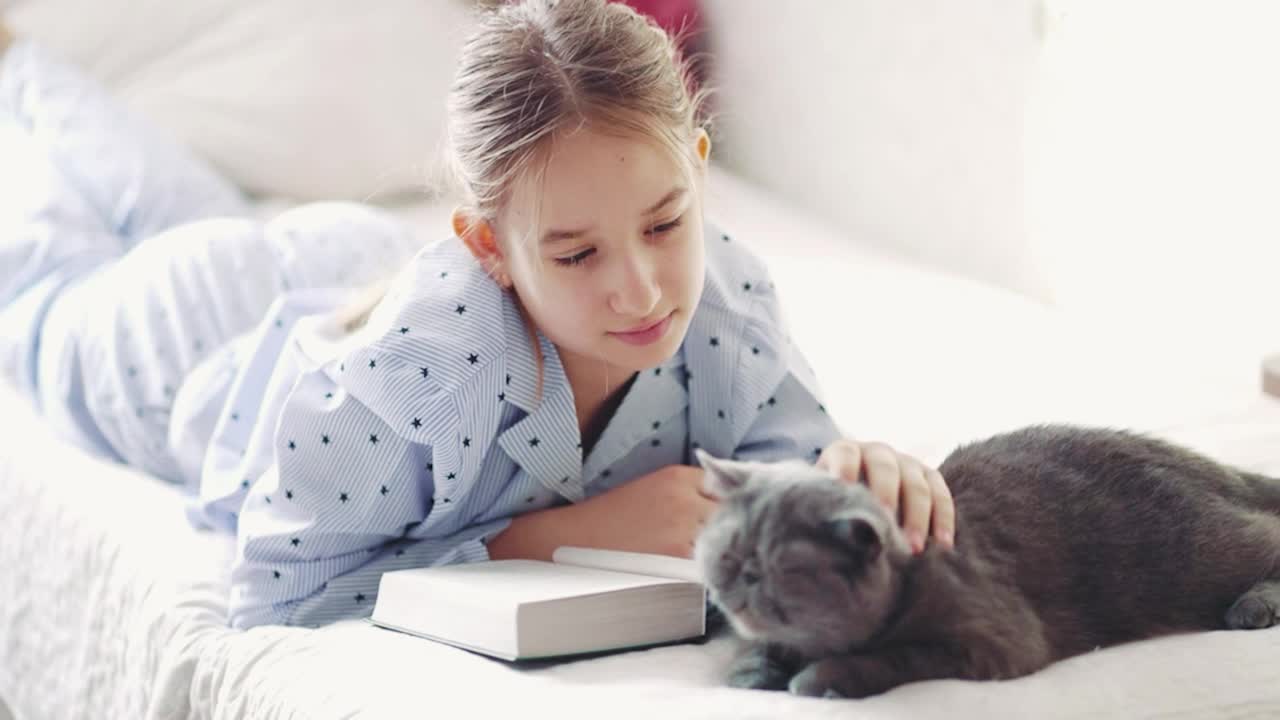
(461, 309)
(373, 363)
(404, 331)
(324, 439)
(295, 542)
(373, 439)
(374, 403)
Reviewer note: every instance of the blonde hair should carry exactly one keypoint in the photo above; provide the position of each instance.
(536, 68)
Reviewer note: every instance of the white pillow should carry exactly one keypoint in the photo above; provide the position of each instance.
(309, 99)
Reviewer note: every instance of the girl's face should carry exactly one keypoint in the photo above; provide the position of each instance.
(606, 253)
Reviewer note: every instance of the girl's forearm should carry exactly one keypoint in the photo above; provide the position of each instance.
(535, 535)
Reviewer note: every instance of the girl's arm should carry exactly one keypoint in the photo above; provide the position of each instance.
(336, 510)
(536, 535)
(657, 513)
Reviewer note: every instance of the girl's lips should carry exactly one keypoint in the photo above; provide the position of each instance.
(646, 335)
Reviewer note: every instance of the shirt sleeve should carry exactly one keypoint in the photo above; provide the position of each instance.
(792, 423)
(346, 500)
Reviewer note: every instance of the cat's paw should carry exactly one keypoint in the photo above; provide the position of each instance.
(1251, 612)
(765, 677)
(813, 682)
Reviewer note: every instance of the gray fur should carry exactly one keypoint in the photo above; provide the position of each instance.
(1068, 539)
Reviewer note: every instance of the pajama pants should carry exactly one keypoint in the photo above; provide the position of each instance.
(131, 272)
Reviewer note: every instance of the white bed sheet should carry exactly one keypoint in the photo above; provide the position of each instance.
(114, 607)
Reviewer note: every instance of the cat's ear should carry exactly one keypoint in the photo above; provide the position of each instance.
(723, 477)
(858, 532)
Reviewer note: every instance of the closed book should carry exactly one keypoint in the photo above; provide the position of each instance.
(583, 601)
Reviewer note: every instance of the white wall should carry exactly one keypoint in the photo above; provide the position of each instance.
(899, 120)
(1119, 158)
(1154, 164)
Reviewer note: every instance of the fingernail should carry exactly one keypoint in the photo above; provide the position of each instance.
(917, 540)
(949, 538)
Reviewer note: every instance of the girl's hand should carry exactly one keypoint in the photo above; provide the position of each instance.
(660, 513)
(902, 483)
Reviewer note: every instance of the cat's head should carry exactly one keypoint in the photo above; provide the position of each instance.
(795, 556)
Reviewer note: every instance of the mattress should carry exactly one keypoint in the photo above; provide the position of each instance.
(116, 608)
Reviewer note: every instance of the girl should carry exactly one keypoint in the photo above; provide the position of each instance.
(539, 379)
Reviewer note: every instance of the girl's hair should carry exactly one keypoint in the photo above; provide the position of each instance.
(536, 68)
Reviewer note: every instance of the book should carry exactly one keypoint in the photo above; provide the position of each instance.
(584, 601)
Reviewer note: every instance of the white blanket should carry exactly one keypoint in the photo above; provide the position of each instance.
(114, 607)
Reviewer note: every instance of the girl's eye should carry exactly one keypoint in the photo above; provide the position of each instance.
(667, 227)
(575, 259)
(581, 257)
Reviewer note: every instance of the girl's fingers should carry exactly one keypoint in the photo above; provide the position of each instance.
(898, 481)
(842, 458)
(883, 474)
(944, 509)
(917, 502)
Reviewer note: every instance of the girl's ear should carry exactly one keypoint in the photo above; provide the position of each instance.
(702, 142)
(722, 477)
(477, 234)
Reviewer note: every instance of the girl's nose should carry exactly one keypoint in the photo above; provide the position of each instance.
(636, 292)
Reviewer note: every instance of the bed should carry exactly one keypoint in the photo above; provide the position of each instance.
(115, 607)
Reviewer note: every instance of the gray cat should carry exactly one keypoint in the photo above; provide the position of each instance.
(1068, 539)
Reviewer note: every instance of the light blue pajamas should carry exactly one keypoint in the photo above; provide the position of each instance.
(204, 354)
(125, 263)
